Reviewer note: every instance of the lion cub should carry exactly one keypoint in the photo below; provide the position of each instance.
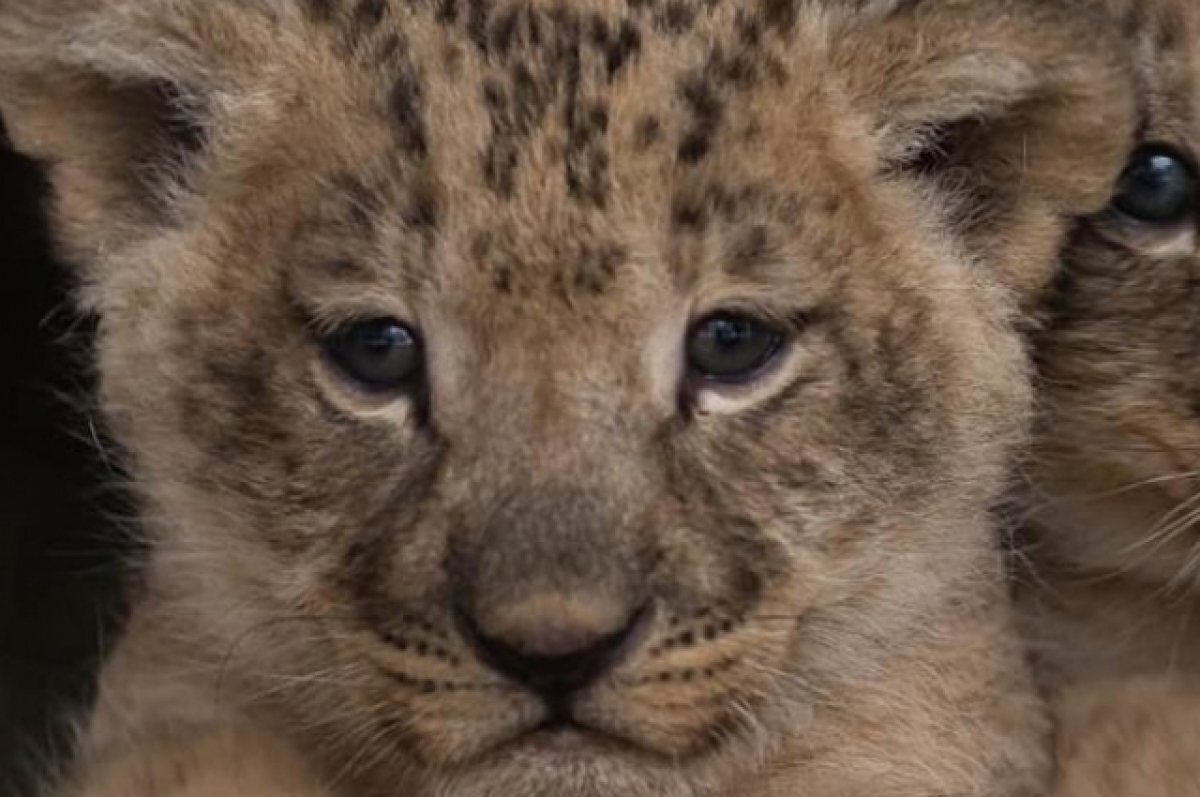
(1111, 604)
(547, 399)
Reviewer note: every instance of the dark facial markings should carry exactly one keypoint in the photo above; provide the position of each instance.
(741, 66)
(648, 132)
(560, 63)
(587, 126)
(366, 17)
(406, 106)
(675, 18)
(781, 15)
(707, 108)
(321, 10)
(595, 270)
(547, 59)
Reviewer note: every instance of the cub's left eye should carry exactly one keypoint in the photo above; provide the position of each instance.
(731, 347)
(380, 354)
(1158, 186)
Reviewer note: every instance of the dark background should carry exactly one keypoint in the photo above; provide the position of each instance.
(59, 545)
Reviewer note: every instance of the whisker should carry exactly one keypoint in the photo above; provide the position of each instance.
(242, 637)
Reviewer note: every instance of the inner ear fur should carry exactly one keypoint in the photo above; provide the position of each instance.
(1018, 114)
(116, 97)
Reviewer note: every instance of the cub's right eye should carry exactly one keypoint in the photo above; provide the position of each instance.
(1159, 186)
(732, 348)
(380, 354)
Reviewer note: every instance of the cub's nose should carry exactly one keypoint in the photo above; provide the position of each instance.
(555, 646)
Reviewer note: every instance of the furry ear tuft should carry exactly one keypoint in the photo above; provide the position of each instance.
(117, 98)
(1014, 128)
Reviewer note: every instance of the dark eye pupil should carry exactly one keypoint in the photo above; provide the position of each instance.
(1159, 186)
(729, 333)
(731, 347)
(380, 354)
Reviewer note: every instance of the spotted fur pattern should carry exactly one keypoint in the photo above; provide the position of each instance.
(551, 193)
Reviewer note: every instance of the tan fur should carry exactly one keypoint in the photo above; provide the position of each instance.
(1109, 600)
(826, 602)
(1130, 736)
(250, 763)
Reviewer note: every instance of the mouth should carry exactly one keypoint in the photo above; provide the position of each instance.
(568, 757)
(560, 733)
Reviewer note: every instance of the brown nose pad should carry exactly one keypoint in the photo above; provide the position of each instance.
(555, 647)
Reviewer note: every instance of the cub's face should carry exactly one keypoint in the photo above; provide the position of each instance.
(536, 397)
(1117, 461)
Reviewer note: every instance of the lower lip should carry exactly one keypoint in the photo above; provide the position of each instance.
(566, 741)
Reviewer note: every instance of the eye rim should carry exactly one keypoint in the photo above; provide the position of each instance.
(763, 365)
(409, 377)
(1144, 152)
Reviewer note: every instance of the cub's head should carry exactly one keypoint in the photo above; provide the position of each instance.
(1118, 457)
(544, 397)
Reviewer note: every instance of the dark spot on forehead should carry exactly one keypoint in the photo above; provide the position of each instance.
(390, 49)
(587, 157)
(675, 18)
(701, 96)
(597, 267)
(622, 48)
(504, 31)
(502, 280)
(740, 69)
(447, 11)
(521, 28)
(515, 108)
(749, 28)
(500, 167)
(647, 132)
(422, 211)
(405, 102)
(781, 15)
(492, 255)
(367, 16)
(321, 10)
(586, 122)
(477, 20)
(689, 213)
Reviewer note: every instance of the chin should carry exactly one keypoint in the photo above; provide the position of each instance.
(573, 764)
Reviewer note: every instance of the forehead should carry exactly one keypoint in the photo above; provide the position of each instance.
(556, 142)
(520, 89)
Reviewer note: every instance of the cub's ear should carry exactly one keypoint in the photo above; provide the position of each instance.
(1015, 118)
(116, 97)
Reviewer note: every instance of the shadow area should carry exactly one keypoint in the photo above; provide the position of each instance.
(60, 548)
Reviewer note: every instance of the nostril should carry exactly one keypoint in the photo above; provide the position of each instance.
(554, 654)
